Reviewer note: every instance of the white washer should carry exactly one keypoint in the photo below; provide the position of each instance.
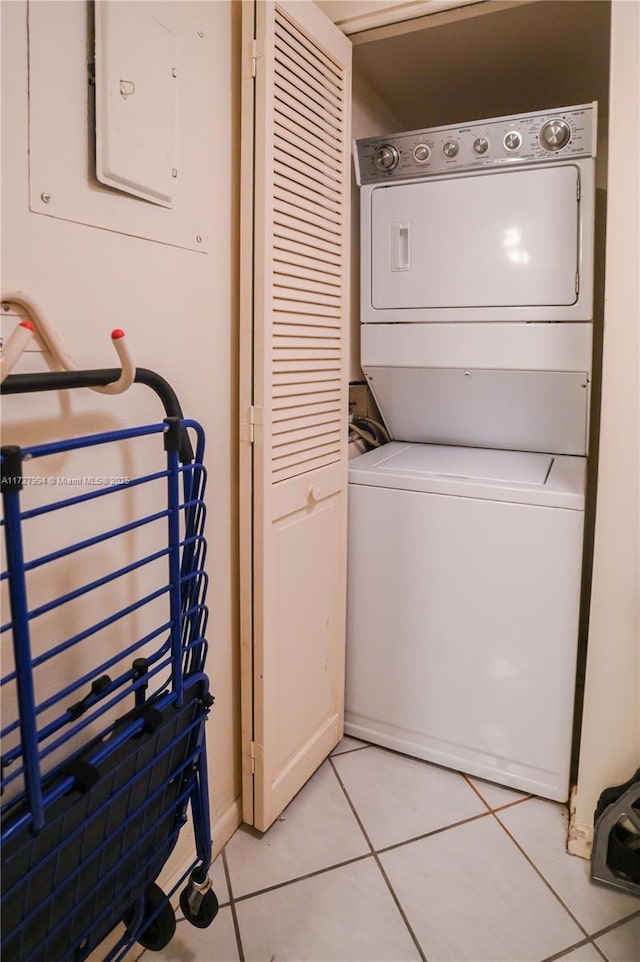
(463, 602)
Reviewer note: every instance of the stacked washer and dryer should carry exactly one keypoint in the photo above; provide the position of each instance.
(466, 531)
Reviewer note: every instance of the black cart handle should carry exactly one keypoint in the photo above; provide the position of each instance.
(66, 380)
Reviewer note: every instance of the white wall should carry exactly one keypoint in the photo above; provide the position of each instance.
(610, 747)
(179, 310)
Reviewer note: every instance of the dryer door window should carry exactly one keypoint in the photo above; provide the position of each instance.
(503, 239)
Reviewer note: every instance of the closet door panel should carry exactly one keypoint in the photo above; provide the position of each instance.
(293, 398)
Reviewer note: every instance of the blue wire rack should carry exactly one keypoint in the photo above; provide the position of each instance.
(103, 743)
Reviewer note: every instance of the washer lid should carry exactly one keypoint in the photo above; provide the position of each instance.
(523, 477)
(470, 464)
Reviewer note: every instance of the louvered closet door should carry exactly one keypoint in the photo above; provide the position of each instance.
(293, 397)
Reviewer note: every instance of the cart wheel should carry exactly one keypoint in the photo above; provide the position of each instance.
(206, 912)
(161, 929)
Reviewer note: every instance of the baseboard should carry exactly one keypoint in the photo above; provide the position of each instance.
(580, 837)
(225, 825)
(580, 840)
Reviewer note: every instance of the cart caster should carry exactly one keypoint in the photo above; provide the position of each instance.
(198, 900)
(161, 929)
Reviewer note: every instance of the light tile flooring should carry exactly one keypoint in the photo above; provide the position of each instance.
(384, 857)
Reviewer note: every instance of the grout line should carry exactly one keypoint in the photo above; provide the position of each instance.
(232, 904)
(517, 801)
(570, 948)
(476, 790)
(599, 951)
(616, 925)
(434, 831)
(348, 751)
(591, 939)
(399, 907)
(395, 898)
(498, 808)
(357, 858)
(539, 873)
(302, 878)
(588, 940)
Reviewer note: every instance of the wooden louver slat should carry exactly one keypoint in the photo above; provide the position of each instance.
(308, 267)
(314, 238)
(313, 123)
(285, 398)
(284, 123)
(304, 173)
(288, 236)
(295, 190)
(313, 410)
(304, 71)
(304, 104)
(308, 218)
(318, 64)
(287, 254)
(303, 280)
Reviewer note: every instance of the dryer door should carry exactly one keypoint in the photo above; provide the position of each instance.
(504, 239)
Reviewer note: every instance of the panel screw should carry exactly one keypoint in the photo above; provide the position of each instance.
(6, 307)
(45, 198)
(199, 238)
(174, 72)
(200, 33)
(174, 172)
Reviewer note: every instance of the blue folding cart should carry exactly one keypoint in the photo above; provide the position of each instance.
(103, 688)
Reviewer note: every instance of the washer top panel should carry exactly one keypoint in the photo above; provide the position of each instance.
(520, 477)
(469, 464)
(563, 132)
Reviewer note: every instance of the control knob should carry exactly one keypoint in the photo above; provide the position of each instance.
(421, 153)
(481, 145)
(450, 149)
(555, 134)
(386, 158)
(512, 140)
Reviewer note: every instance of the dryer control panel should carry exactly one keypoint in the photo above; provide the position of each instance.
(563, 132)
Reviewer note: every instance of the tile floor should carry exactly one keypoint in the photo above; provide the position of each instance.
(384, 857)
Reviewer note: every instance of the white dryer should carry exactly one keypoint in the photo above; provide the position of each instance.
(465, 534)
(487, 221)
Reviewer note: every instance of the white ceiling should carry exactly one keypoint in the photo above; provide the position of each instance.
(527, 56)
